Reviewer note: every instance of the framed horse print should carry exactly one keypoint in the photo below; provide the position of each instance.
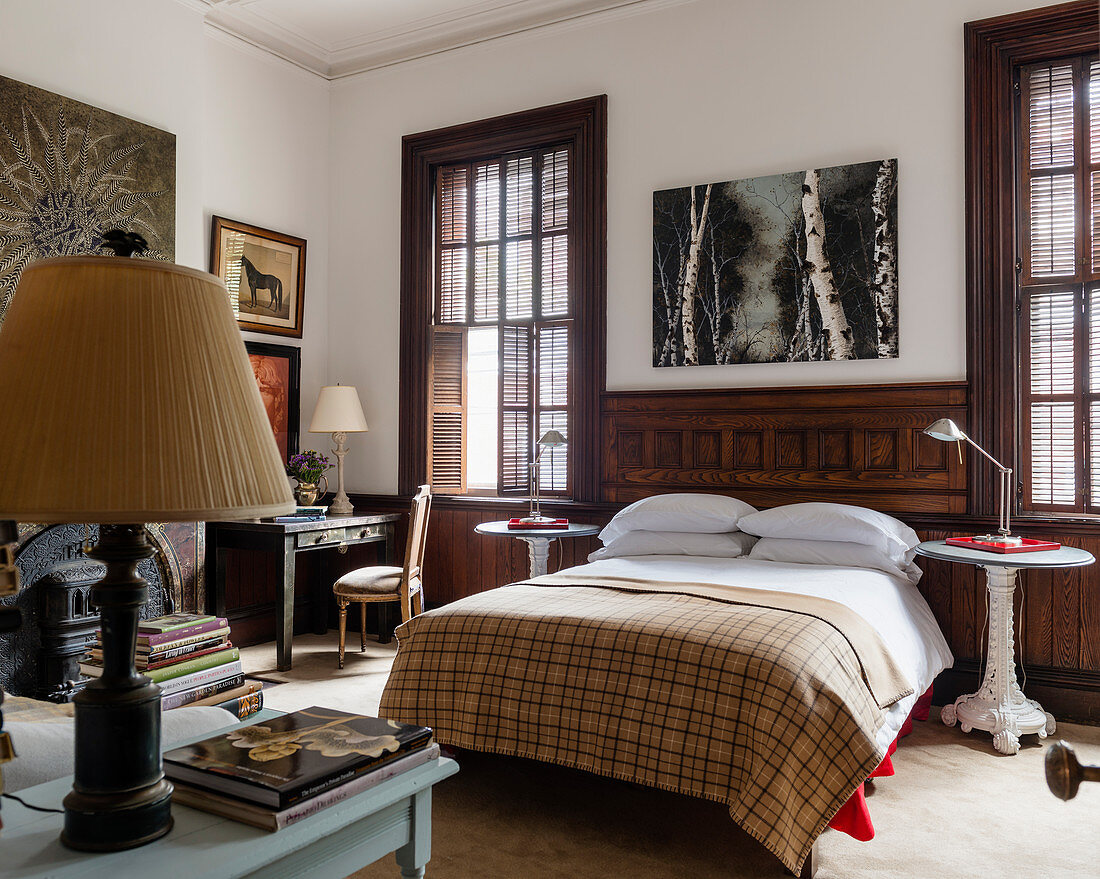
(265, 272)
(278, 371)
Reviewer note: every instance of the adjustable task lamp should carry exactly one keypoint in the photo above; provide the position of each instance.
(949, 432)
(552, 439)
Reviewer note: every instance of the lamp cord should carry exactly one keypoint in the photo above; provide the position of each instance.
(1020, 635)
(984, 630)
(27, 805)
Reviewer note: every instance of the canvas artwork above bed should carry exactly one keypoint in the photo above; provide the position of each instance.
(789, 267)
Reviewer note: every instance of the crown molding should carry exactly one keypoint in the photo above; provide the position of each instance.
(476, 23)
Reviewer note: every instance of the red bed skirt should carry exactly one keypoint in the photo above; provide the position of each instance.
(853, 817)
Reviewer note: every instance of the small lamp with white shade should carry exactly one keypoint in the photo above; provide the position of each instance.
(339, 412)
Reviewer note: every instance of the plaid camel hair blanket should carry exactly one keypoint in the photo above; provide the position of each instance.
(767, 709)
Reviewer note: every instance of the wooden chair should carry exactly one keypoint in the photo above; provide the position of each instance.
(386, 583)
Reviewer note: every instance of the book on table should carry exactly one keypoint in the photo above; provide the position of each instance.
(280, 762)
(151, 641)
(272, 820)
(152, 661)
(243, 701)
(200, 693)
(173, 622)
(94, 668)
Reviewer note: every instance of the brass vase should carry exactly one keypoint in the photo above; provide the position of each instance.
(306, 493)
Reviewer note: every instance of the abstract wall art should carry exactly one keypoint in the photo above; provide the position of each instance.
(790, 267)
(70, 172)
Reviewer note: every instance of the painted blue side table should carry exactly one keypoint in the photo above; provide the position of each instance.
(395, 817)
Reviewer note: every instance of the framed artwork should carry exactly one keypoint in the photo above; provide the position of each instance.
(278, 371)
(72, 171)
(265, 272)
(790, 267)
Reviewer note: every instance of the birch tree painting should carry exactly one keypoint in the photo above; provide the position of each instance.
(792, 267)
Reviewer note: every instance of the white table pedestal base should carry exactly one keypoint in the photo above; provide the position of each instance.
(538, 551)
(1000, 707)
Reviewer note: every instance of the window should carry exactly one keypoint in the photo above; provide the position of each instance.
(502, 323)
(1058, 230)
(1033, 288)
(502, 302)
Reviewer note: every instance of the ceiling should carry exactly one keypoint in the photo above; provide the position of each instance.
(336, 38)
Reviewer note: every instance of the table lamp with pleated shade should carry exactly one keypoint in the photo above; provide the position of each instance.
(339, 412)
(128, 398)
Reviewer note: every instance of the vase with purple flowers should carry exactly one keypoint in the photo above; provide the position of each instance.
(308, 469)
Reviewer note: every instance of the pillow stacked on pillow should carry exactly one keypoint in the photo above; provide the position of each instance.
(834, 534)
(701, 513)
(726, 545)
(831, 552)
(677, 524)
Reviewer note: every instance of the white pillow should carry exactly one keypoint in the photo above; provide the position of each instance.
(842, 522)
(833, 552)
(45, 750)
(720, 546)
(701, 513)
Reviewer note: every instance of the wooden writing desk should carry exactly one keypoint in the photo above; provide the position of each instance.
(286, 540)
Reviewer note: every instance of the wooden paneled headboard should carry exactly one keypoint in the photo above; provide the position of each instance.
(849, 444)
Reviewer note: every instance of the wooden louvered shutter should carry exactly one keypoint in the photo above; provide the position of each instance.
(447, 423)
(1049, 345)
(1059, 300)
(552, 344)
(516, 401)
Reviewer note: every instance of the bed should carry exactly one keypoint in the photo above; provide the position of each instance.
(774, 686)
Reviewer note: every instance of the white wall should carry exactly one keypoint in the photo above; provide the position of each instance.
(138, 59)
(266, 162)
(251, 131)
(700, 91)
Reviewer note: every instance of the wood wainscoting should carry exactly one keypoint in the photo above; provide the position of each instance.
(853, 444)
(859, 445)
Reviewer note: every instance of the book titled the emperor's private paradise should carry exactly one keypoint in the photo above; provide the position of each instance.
(290, 758)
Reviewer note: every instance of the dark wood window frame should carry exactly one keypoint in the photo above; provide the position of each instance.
(995, 47)
(583, 126)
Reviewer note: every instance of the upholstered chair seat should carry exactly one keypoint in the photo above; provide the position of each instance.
(385, 582)
(379, 580)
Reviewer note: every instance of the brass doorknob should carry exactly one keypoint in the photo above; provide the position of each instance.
(1065, 773)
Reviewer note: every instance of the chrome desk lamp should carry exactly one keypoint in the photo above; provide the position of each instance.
(552, 439)
(948, 431)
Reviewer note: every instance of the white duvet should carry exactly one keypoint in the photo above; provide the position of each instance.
(892, 605)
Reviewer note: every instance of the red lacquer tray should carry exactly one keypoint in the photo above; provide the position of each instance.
(518, 525)
(1029, 545)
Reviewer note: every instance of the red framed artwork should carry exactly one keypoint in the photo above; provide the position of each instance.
(278, 374)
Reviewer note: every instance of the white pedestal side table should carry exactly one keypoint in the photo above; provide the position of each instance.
(538, 540)
(1000, 707)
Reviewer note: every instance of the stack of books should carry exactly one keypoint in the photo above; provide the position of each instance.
(190, 657)
(305, 514)
(275, 773)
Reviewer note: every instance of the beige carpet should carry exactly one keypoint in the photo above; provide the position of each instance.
(955, 810)
(315, 678)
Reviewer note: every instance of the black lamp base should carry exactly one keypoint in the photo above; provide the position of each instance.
(120, 798)
(98, 823)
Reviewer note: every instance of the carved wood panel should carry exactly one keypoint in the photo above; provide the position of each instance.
(855, 444)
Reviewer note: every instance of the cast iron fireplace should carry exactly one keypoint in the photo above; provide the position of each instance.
(41, 659)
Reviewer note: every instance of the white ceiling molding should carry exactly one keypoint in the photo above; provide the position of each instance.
(300, 33)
